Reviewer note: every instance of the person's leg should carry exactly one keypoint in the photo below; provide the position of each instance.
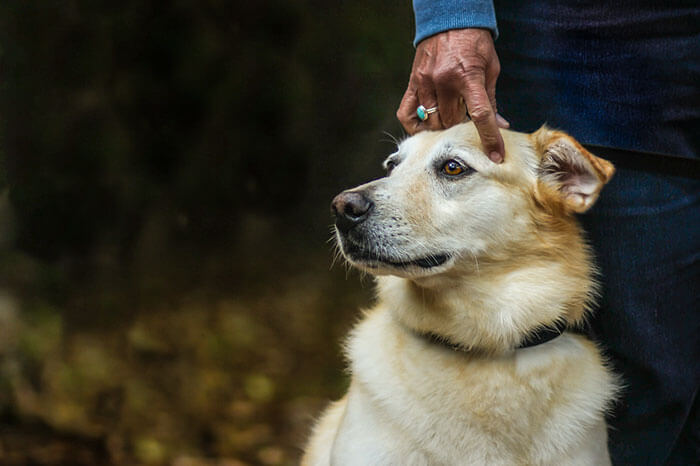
(687, 450)
(645, 231)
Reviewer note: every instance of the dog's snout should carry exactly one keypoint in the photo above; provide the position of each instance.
(350, 208)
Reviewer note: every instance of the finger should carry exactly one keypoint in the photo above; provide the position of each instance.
(463, 112)
(492, 72)
(428, 99)
(448, 100)
(484, 117)
(502, 122)
(407, 112)
(493, 69)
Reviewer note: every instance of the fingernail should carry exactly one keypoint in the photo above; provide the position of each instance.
(495, 157)
(502, 122)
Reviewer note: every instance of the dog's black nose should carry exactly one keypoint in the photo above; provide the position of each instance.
(350, 208)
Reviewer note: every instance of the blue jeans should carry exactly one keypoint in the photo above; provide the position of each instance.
(645, 230)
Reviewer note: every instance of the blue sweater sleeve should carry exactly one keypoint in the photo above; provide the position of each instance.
(434, 16)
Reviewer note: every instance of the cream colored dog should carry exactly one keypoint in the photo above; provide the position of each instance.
(472, 258)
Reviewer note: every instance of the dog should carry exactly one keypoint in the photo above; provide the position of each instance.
(482, 272)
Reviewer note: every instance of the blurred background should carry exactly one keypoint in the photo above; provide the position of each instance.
(166, 169)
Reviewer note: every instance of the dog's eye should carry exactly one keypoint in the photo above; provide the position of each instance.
(453, 168)
(389, 166)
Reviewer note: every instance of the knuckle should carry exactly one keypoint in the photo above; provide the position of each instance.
(403, 116)
(473, 72)
(488, 140)
(496, 67)
(473, 67)
(422, 77)
(475, 77)
(448, 120)
(444, 76)
(481, 114)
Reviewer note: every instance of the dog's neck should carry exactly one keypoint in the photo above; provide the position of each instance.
(539, 337)
(495, 307)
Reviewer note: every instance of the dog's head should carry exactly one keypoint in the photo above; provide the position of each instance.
(444, 205)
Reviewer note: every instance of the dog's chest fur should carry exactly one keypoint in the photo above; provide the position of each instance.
(415, 402)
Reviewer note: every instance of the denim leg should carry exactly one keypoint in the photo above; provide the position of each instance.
(645, 230)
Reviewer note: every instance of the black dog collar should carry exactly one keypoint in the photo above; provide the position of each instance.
(542, 335)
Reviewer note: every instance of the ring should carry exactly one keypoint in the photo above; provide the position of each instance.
(423, 113)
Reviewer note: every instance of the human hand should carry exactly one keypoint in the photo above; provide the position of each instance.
(449, 69)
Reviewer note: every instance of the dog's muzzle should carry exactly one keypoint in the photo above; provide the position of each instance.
(350, 208)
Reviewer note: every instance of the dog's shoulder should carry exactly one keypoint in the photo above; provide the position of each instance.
(442, 401)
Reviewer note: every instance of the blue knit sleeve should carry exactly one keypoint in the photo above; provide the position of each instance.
(433, 16)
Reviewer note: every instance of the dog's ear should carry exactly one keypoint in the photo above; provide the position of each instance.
(575, 175)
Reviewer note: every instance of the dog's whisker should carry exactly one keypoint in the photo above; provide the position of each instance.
(476, 263)
(392, 138)
(337, 254)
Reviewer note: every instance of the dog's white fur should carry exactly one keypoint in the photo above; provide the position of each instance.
(517, 262)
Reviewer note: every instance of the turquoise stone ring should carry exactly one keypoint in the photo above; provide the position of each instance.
(423, 113)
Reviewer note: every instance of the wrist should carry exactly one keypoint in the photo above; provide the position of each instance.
(437, 16)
